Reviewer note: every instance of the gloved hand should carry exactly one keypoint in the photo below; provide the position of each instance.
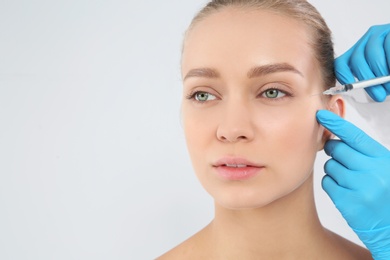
(358, 182)
(367, 59)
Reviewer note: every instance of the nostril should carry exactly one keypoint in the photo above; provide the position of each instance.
(222, 138)
(232, 138)
(228, 133)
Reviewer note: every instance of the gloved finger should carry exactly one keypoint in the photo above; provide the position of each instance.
(375, 50)
(358, 63)
(387, 52)
(377, 93)
(341, 175)
(345, 155)
(362, 71)
(343, 72)
(375, 55)
(379, 49)
(350, 134)
(361, 68)
(334, 191)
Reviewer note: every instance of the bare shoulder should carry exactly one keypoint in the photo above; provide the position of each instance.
(348, 249)
(182, 251)
(199, 247)
(193, 248)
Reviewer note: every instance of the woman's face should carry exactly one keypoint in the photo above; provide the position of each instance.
(251, 92)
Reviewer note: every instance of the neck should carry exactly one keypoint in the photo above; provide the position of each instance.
(284, 226)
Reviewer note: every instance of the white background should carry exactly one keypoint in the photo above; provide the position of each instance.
(93, 163)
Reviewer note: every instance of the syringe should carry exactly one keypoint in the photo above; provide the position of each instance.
(360, 84)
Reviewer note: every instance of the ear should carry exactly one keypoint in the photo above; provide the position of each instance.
(336, 104)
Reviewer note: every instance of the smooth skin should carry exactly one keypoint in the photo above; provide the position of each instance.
(251, 88)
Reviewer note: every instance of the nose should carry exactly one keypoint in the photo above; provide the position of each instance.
(236, 124)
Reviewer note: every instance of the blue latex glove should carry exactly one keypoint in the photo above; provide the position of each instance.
(367, 59)
(358, 182)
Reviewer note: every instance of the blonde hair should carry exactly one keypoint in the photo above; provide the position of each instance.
(300, 10)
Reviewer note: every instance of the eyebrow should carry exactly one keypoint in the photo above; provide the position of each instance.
(202, 73)
(272, 68)
(253, 72)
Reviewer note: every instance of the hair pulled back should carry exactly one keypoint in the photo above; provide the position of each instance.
(301, 10)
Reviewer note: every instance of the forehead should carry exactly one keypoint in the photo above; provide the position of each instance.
(254, 36)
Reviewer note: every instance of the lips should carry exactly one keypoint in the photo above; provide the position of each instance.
(236, 165)
(235, 169)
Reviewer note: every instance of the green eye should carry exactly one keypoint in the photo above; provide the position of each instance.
(273, 93)
(203, 96)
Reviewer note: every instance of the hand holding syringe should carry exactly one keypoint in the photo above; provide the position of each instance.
(360, 84)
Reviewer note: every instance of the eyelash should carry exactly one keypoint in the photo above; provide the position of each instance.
(192, 95)
(286, 94)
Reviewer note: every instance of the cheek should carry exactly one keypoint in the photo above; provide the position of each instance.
(300, 130)
(199, 130)
(296, 123)
(294, 139)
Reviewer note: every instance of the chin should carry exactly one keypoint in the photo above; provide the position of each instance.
(259, 196)
(248, 200)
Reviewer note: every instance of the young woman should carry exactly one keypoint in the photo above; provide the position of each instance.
(253, 73)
